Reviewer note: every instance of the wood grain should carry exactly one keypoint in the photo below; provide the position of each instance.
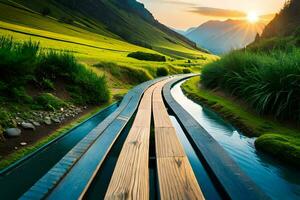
(130, 179)
(175, 175)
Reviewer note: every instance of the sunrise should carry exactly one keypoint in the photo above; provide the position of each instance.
(150, 99)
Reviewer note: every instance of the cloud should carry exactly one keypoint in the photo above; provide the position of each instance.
(218, 12)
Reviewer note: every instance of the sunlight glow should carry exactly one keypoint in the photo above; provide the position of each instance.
(252, 17)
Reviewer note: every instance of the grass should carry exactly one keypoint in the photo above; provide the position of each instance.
(269, 82)
(147, 56)
(22, 63)
(274, 138)
(17, 155)
(130, 75)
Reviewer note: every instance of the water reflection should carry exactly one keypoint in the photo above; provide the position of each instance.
(277, 180)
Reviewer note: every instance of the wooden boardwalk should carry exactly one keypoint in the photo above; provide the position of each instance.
(176, 178)
(74, 174)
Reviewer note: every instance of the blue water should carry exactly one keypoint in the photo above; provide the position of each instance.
(276, 180)
(18, 180)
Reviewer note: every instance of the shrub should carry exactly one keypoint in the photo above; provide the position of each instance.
(132, 75)
(186, 71)
(269, 82)
(91, 87)
(162, 71)
(6, 119)
(21, 62)
(147, 56)
(49, 101)
(47, 84)
(17, 61)
(20, 95)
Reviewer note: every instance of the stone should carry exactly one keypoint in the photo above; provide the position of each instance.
(36, 123)
(23, 143)
(13, 132)
(47, 121)
(27, 125)
(56, 120)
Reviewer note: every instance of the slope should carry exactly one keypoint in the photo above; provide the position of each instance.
(222, 36)
(128, 20)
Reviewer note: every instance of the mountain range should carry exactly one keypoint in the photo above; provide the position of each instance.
(220, 37)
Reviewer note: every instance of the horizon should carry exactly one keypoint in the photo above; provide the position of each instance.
(174, 13)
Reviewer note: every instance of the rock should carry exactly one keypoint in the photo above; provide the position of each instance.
(56, 120)
(23, 143)
(47, 121)
(27, 125)
(13, 132)
(36, 123)
(16, 148)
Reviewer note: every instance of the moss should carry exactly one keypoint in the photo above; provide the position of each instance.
(284, 145)
(285, 148)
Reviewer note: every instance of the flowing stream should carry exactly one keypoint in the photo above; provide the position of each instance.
(275, 179)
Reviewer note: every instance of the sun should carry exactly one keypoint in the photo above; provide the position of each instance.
(252, 17)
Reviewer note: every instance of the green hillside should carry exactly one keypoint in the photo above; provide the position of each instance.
(60, 57)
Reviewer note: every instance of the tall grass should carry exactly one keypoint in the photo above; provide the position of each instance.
(132, 75)
(25, 61)
(269, 82)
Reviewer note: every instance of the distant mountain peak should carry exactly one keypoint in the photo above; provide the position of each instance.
(222, 36)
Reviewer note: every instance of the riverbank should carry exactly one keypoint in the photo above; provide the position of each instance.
(274, 138)
(42, 136)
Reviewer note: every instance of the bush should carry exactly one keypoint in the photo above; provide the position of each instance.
(47, 84)
(49, 102)
(21, 96)
(21, 62)
(162, 71)
(269, 82)
(90, 86)
(186, 71)
(6, 119)
(17, 61)
(132, 75)
(147, 56)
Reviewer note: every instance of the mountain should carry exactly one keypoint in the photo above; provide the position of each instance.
(122, 19)
(286, 23)
(184, 32)
(222, 36)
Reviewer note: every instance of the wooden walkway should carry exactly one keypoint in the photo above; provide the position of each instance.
(176, 178)
(73, 175)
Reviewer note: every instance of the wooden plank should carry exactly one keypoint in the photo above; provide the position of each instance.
(175, 175)
(130, 179)
(177, 179)
(167, 144)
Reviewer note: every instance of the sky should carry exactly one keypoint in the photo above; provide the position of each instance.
(183, 14)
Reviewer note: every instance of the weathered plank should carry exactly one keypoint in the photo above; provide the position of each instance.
(176, 178)
(130, 179)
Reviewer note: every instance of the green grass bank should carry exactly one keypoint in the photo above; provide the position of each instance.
(274, 138)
